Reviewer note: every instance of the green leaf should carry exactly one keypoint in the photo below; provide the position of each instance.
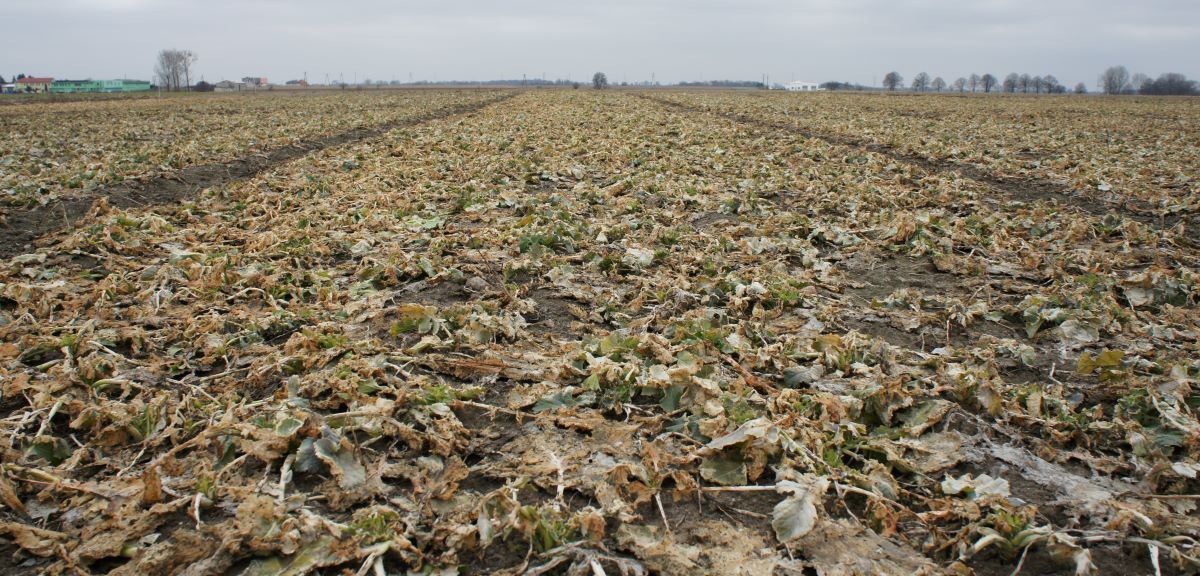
(671, 397)
(556, 401)
(313, 555)
(337, 452)
(723, 471)
(53, 450)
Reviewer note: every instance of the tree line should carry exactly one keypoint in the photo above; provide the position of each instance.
(1114, 80)
(1117, 80)
(986, 83)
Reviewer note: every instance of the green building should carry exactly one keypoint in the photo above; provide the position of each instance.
(75, 86)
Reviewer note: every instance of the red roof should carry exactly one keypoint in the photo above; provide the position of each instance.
(28, 80)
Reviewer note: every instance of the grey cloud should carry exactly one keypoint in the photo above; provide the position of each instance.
(856, 40)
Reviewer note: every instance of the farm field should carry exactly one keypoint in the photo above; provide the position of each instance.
(52, 149)
(622, 332)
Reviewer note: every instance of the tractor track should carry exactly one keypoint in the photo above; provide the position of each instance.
(22, 226)
(1022, 189)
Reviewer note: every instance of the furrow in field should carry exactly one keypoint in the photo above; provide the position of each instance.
(1025, 189)
(23, 225)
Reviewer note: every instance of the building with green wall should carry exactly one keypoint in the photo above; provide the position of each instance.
(96, 86)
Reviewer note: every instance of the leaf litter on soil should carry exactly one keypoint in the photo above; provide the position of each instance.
(584, 332)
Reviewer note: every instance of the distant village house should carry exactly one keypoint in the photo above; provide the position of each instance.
(255, 82)
(28, 84)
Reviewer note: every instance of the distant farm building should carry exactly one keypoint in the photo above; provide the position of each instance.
(228, 86)
(255, 82)
(28, 84)
(98, 86)
(802, 86)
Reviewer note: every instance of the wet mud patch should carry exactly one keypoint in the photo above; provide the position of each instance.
(1108, 558)
(881, 279)
(713, 219)
(440, 293)
(556, 315)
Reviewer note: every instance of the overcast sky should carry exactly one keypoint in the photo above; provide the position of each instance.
(814, 40)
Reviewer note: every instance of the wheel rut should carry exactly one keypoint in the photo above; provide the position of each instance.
(1022, 189)
(22, 226)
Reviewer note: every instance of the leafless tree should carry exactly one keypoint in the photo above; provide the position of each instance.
(1138, 81)
(1081, 88)
(1024, 82)
(973, 82)
(1010, 83)
(1036, 83)
(892, 80)
(1051, 86)
(173, 68)
(166, 71)
(988, 82)
(920, 82)
(960, 84)
(1114, 80)
(938, 84)
(599, 81)
(1170, 84)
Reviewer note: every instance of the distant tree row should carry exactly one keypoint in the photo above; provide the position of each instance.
(1026, 83)
(975, 83)
(1117, 80)
(835, 85)
(726, 83)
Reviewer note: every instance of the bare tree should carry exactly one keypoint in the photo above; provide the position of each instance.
(938, 84)
(1036, 83)
(173, 68)
(1138, 81)
(988, 82)
(1010, 83)
(1114, 80)
(1170, 84)
(599, 81)
(1023, 83)
(1081, 88)
(1051, 86)
(973, 82)
(920, 82)
(186, 59)
(892, 80)
(960, 84)
(166, 72)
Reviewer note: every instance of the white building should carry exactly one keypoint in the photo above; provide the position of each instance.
(228, 86)
(798, 86)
